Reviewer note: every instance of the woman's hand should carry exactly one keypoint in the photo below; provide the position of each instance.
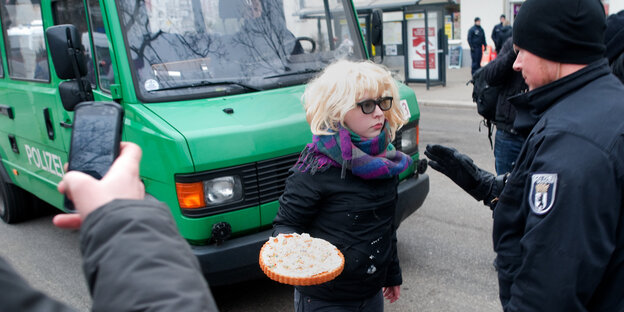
(392, 293)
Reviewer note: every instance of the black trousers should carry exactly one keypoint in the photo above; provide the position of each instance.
(304, 303)
(476, 55)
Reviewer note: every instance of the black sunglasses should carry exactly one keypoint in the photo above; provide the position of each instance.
(368, 106)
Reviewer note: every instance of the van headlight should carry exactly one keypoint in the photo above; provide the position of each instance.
(209, 191)
(223, 190)
(407, 138)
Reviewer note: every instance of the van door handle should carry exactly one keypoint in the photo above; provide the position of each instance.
(65, 125)
(48, 123)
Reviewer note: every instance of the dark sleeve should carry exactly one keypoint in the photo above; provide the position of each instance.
(471, 42)
(565, 251)
(17, 295)
(135, 260)
(298, 204)
(394, 277)
(501, 68)
(494, 33)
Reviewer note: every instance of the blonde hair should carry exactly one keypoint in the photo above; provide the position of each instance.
(329, 97)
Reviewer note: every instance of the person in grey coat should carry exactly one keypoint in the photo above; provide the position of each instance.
(133, 256)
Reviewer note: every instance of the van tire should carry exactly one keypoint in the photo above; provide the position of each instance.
(15, 203)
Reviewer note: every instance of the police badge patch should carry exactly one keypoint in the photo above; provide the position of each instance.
(542, 195)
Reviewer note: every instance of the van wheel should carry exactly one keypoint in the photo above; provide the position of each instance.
(15, 203)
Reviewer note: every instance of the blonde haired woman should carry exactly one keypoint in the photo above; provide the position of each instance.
(344, 187)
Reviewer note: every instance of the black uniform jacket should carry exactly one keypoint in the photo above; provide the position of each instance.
(134, 260)
(355, 215)
(476, 37)
(559, 224)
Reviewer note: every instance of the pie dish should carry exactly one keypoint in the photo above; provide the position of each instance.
(300, 260)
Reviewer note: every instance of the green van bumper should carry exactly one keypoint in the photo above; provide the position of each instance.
(236, 260)
(233, 261)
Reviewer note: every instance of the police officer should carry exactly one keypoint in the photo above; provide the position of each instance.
(476, 40)
(559, 221)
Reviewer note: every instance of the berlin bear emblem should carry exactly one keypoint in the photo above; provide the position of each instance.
(542, 195)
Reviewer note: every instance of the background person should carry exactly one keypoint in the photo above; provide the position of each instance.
(133, 256)
(264, 32)
(558, 223)
(508, 141)
(500, 33)
(344, 187)
(476, 41)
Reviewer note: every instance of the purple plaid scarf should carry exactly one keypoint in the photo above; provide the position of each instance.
(374, 158)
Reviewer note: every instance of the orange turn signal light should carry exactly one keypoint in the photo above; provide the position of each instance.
(191, 195)
(417, 135)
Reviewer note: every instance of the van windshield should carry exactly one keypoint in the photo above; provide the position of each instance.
(197, 48)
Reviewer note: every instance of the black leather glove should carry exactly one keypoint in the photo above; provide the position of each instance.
(479, 183)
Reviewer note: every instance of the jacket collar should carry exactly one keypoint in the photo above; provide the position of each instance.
(532, 105)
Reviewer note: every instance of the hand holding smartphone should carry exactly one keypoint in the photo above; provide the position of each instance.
(122, 181)
(96, 135)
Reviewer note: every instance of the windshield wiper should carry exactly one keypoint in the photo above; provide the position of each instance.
(300, 72)
(208, 83)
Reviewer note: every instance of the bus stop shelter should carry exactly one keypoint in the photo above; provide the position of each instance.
(415, 36)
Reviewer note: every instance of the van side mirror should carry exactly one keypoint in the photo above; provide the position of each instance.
(67, 52)
(71, 93)
(69, 61)
(376, 27)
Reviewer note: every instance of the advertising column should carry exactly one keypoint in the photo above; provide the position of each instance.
(417, 46)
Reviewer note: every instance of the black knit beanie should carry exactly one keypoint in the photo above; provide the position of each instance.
(614, 35)
(565, 31)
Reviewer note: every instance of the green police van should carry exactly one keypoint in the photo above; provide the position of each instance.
(211, 91)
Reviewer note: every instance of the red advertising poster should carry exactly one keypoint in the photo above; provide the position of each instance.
(420, 52)
(417, 46)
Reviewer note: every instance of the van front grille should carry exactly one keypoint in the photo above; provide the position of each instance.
(262, 182)
(272, 176)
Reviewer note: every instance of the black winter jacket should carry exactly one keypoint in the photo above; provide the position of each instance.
(355, 215)
(500, 73)
(134, 259)
(559, 222)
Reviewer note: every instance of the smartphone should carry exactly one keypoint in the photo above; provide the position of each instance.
(96, 134)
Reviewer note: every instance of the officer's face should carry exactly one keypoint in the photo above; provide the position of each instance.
(536, 71)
